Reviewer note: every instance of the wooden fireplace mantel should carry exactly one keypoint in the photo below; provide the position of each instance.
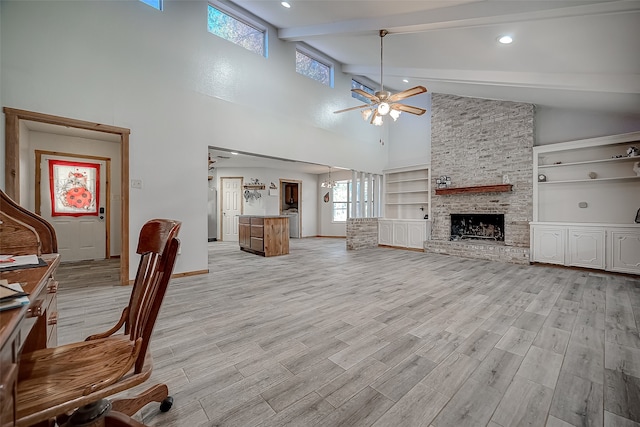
(499, 188)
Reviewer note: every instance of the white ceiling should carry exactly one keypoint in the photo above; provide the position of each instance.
(582, 55)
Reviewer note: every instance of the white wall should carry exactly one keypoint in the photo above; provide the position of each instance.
(558, 125)
(76, 145)
(410, 136)
(270, 205)
(179, 89)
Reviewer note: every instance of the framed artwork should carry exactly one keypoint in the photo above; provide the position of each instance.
(74, 187)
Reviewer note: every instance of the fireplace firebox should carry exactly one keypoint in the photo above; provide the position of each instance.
(477, 226)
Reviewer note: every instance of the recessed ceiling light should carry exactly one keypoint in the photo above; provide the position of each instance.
(234, 153)
(505, 39)
(285, 4)
(405, 80)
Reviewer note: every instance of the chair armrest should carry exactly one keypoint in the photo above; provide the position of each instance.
(113, 330)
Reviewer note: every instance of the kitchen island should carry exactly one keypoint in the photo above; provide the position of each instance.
(264, 235)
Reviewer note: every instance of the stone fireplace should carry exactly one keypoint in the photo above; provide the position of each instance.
(486, 147)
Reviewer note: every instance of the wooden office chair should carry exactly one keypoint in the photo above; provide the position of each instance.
(55, 381)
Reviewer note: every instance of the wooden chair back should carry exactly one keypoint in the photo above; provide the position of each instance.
(158, 248)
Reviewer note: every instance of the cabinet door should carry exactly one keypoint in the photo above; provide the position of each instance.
(548, 244)
(257, 244)
(624, 251)
(385, 233)
(400, 234)
(586, 248)
(244, 235)
(417, 234)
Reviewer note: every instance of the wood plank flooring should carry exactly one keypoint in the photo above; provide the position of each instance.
(379, 337)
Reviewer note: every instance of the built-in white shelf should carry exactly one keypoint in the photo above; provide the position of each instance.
(425, 202)
(408, 191)
(582, 221)
(615, 159)
(404, 180)
(619, 178)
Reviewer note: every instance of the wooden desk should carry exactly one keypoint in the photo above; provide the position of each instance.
(26, 328)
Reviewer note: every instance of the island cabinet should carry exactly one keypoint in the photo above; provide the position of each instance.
(264, 235)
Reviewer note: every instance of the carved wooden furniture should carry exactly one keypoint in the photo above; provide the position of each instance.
(264, 235)
(29, 327)
(32, 326)
(54, 381)
(22, 232)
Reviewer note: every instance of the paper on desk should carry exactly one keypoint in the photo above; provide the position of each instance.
(13, 261)
(16, 302)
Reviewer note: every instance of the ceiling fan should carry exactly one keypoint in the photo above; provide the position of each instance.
(384, 102)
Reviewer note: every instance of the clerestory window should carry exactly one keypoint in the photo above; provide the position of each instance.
(237, 29)
(313, 66)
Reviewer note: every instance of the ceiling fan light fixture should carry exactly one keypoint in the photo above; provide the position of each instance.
(384, 108)
(380, 103)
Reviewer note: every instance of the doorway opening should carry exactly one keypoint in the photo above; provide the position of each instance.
(15, 120)
(230, 207)
(291, 205)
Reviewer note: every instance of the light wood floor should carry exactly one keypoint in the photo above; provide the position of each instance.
(380, 337)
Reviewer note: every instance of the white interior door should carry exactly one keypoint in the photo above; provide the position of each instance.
(231, 207)
(82, 237)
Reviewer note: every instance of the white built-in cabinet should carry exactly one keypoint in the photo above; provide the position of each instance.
(548, 244)
(624, 250)
(586, 195)
(406, 201)
(586, 247)
(406, 233)
(611, 247)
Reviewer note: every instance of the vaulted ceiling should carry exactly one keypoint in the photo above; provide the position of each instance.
(581, 55)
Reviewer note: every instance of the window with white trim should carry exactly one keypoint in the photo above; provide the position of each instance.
(341, 193)
(156, 4)
(341, 200)
(357, 85)
(237, 29)
(313, 66)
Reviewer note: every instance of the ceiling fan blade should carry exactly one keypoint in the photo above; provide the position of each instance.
(353, 108)
(407, 93)
(366, 95)
(374, 115)
(408, 109)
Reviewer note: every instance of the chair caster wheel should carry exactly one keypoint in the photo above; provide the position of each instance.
(166, 404)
